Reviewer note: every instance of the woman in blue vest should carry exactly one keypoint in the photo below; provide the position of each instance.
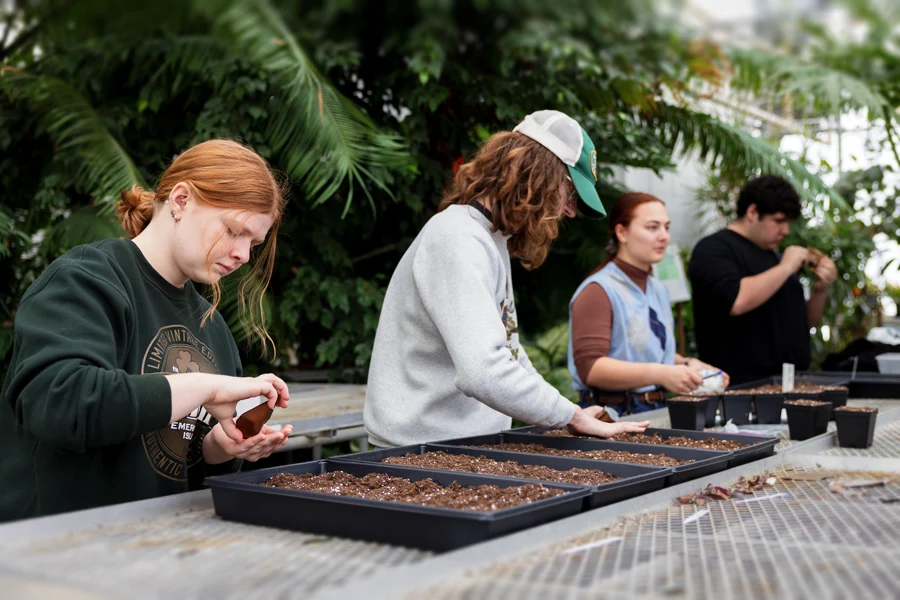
(621, 335)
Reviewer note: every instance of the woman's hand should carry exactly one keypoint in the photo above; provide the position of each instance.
(231, 390)
(680, 379)
(259, 446)
(585, 422)
(699, 365)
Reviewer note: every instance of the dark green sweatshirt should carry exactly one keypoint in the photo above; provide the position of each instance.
(84, 409)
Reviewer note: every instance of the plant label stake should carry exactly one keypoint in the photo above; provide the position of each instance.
(787, 377)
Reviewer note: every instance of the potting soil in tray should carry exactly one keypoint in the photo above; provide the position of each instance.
(802, 387)
(659, 460)
(379, 486)
(488, 466)
(855, 409)
(805, 403)
(656, 439)
(680, 441)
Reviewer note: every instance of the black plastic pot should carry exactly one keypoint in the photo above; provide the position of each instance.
(855, 429)
(711, 408)
(736, 408)
(688, 413)
(837, 397)
(806, 421)
(768, 407)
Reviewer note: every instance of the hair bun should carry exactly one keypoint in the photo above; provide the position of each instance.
(135, 209)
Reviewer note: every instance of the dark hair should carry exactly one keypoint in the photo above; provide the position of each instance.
(622, 213)
(771, 194)
(523, 180)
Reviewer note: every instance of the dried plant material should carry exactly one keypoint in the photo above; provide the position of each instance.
(742, 488)
(687, 498)
(716, 493)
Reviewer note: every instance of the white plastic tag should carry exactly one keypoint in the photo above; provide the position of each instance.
(787, 377)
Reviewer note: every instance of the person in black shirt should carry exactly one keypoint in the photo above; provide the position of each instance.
(750, 315)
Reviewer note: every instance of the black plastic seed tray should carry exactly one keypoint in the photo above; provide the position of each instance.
(704, 461)
(635, 479)
(755, 447)
(241, 497)
(874, 385)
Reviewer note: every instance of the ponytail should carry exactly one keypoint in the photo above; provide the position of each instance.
(612, 249)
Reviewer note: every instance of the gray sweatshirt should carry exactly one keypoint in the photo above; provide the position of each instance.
(447, 361)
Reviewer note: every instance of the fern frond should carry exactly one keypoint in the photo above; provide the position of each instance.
(104, 167)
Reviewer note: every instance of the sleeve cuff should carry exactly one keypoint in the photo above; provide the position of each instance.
(563, 414)
(154, 401)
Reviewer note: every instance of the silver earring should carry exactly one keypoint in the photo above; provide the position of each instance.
(172, 212)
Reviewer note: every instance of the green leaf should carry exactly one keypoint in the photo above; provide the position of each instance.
(685, 131)
(321, 137)
(104, 167)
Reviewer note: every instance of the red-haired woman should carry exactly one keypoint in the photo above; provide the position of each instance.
(124, 379)
(621, 343)
(447, 360)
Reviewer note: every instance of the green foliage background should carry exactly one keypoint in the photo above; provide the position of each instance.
(366, 106)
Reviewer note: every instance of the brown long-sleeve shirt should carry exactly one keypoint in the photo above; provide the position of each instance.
(592, 318)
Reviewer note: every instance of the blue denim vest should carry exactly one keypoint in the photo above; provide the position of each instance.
(642, 327)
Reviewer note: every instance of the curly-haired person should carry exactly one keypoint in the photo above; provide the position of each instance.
(447, 360)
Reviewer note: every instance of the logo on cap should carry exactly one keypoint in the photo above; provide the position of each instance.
(594, 164)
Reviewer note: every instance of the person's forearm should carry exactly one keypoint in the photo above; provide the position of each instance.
(190, 390)
(756, 290)
(815, 306)
(613, 374)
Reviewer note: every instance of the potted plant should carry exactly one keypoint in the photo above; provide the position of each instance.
(855, 425)
(807, 418)
(688, 412)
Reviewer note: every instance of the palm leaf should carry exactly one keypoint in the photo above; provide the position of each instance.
(718, 142)
(103, 169)
(321, 137)
(819, 87)
(82, 226)
(10, 234)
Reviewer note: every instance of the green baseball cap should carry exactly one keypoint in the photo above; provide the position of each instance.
(564, 137)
